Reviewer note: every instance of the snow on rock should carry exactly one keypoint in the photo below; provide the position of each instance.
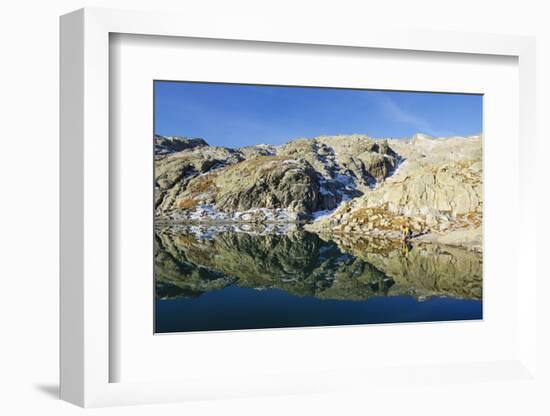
(210, 213)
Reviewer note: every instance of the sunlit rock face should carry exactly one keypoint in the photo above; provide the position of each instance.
(437, 191)
(339, 184)
(191, 261)
(166, 145)
(301, 177)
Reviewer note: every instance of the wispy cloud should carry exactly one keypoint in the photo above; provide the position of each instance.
(396, 113)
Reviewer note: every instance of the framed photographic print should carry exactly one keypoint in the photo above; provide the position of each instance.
(283, 211)
(289, 215)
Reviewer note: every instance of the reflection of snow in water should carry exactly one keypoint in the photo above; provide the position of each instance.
(208, 232)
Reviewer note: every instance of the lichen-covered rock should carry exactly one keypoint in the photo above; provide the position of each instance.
(447, 189)
(269, 182)
(249, 152)
(437, 189)
(174, 172)
(350, 184)
(171, 144)
(364, 160)
(303, 176)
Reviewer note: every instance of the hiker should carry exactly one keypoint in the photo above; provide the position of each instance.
(405, 232)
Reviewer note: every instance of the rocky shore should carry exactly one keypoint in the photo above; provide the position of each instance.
(332, 185)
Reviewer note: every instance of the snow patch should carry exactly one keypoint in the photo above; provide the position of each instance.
(347, 181)
(209, 212)
(318, 215)
(324, 191)
(400, 163)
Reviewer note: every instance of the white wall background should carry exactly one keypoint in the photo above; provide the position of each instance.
(29, 115)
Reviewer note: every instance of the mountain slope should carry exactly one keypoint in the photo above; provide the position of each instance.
(437, 190)
(301, 177)
(340, 184)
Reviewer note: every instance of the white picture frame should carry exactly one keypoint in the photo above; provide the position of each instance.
(85, 210)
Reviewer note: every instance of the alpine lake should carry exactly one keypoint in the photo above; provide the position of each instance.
(237, 276)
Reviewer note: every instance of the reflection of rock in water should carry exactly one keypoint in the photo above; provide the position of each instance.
(207, 231)
(177, 276)
(441, 269)
(303, 264)
(424, 269)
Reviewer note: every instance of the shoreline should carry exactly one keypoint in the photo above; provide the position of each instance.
(468, 239)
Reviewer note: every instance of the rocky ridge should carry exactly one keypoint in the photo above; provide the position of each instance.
(336, 184)
(302, 177)
(170, 144)
(437, 191)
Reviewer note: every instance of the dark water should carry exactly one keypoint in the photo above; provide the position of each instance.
(220, 279)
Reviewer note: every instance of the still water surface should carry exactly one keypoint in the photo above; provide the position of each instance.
(223, 279)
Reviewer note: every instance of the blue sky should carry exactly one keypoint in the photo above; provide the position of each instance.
(234, 115)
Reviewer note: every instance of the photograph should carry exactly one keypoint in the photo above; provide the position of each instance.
(297, 206)
(275, 208)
